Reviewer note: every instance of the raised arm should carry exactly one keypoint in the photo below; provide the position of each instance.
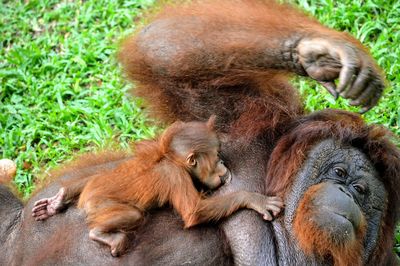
(209, 40)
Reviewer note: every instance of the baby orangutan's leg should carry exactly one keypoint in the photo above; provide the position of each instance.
(44, 208)
(109, 224)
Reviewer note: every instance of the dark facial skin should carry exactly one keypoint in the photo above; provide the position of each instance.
(337, 212)
(349, 191)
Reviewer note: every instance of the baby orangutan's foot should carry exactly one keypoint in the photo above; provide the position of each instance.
(117, 241)
(44, 208)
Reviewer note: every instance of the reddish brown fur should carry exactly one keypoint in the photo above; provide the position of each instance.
(153, 177)
(315, 240)
(156, 176)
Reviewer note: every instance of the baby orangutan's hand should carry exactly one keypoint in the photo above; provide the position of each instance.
(266, 205)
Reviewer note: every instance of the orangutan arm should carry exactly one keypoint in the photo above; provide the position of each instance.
(250, 39)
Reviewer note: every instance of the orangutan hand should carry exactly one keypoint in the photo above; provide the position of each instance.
(359, 78)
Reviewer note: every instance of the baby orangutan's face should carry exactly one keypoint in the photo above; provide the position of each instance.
(208, 168)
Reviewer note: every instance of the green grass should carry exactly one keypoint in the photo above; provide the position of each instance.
(62, 91)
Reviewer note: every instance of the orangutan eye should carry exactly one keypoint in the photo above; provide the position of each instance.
(340, 172)
(359, 188)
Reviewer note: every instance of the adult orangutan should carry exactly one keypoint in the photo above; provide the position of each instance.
(338, 176)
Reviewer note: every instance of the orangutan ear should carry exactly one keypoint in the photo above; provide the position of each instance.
(191, 160)
(211, 122)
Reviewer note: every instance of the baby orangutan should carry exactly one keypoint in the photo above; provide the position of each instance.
(162, 171)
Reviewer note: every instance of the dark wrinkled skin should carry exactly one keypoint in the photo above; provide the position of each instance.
(319, 168)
